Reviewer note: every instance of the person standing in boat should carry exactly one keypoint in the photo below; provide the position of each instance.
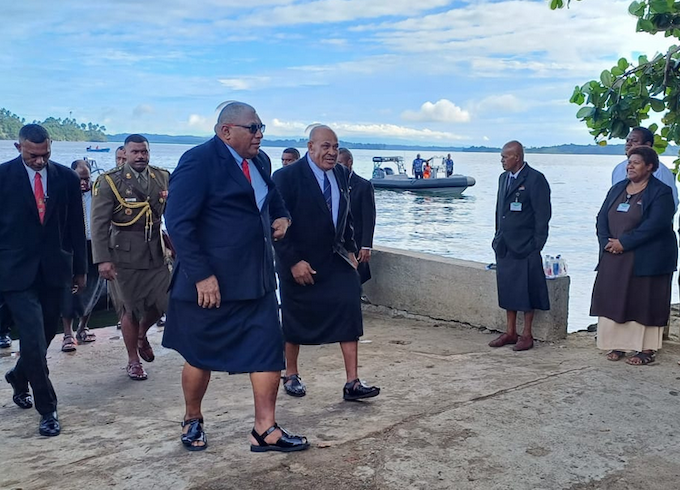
(522, 214)
(448, 165)
(127, 205)
(42, 233)
(418, 164)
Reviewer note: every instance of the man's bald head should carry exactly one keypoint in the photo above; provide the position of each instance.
(232, 112)
(512, 156)
(323, 147)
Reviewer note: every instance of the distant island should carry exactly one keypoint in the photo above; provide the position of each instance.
(302, 142)
(60, 129)
(70, 130)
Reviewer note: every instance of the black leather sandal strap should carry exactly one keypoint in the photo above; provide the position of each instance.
(260, 438)
(191, 421)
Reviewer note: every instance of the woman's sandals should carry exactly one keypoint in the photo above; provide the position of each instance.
(195, 434)
(286, 443)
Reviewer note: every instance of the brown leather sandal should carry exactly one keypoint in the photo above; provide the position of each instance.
(136, 372)
(68, 344)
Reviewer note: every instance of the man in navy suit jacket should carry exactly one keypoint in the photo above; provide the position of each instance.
(320, 288)
(223, 213)
(522, 214)
(42, 252)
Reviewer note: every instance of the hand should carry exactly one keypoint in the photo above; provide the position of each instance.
(353, 260)
(303, 273)
(107, 270)
(614, 246)
(280, 227)
(364, 255)
(209, 293)
(79, 283)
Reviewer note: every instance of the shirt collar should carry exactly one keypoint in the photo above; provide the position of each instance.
(315, 168)
(514, 176)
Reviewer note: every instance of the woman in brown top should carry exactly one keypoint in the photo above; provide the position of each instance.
(638, 254)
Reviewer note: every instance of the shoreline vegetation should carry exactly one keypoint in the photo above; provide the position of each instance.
(69, 129)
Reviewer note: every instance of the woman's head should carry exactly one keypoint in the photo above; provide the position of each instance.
(642, 162)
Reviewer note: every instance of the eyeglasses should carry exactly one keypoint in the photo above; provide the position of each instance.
(253, 128)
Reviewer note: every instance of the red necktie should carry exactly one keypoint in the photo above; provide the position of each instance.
(39, 193)
(246, 170)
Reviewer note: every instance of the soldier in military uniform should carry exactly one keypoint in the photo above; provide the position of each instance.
(127, 205)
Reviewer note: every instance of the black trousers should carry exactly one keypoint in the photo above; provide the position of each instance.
(418, 175)
(36, 313)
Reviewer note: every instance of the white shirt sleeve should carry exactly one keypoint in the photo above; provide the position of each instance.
(619, 173)
(667, 177)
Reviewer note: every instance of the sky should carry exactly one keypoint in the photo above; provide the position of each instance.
(430, 72)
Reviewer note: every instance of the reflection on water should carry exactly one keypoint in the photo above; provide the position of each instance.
(457, 227)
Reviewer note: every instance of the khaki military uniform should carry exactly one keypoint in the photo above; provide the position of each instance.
(126, 230)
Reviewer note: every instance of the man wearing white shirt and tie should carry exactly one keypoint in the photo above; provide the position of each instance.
(640, 136)
(316, 263)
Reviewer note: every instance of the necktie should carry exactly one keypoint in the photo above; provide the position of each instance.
(509, 184)
(143, 181)
(246, 169)
(327, 193)
(39, 193)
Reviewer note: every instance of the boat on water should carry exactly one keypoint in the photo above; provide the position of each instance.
(97, 149)
(384, 177)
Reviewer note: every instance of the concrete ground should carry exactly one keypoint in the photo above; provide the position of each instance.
(453, 414)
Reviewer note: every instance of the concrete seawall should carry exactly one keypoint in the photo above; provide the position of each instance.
(455, 290)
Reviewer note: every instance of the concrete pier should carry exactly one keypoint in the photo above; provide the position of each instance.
(453, 414)
(455, 290)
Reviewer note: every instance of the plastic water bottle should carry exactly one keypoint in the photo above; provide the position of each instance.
(556, 266)
(547, 266)
(562, 266)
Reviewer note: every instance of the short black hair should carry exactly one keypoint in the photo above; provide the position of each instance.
(34, 133)
(649, 156)
(135, 138)
(76, 163)
(120, 148)
(293, 151)
(647, 135)
(345, 151)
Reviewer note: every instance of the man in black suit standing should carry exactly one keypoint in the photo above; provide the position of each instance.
(362, 205)
(42, 237)
(316, 263)
(522, 215)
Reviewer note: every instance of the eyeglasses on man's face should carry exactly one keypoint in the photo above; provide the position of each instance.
(253, 128)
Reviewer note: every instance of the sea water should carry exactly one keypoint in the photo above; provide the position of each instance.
(456, 227)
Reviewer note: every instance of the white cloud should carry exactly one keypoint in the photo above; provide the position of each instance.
(201, 123)
(392, 131)
(441, 111)
(286, 128)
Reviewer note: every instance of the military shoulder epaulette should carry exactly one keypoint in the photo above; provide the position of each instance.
(160, 169)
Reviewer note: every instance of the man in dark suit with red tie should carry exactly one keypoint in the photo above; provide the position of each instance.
(316, 263)
(42, 252)
(223, 213)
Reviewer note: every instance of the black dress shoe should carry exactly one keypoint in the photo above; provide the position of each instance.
(21, 395)
(293, 385)
(5, 341)
(356, 390)
(49, 425)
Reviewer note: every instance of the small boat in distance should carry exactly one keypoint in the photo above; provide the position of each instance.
(97, 149)
(385, 178)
